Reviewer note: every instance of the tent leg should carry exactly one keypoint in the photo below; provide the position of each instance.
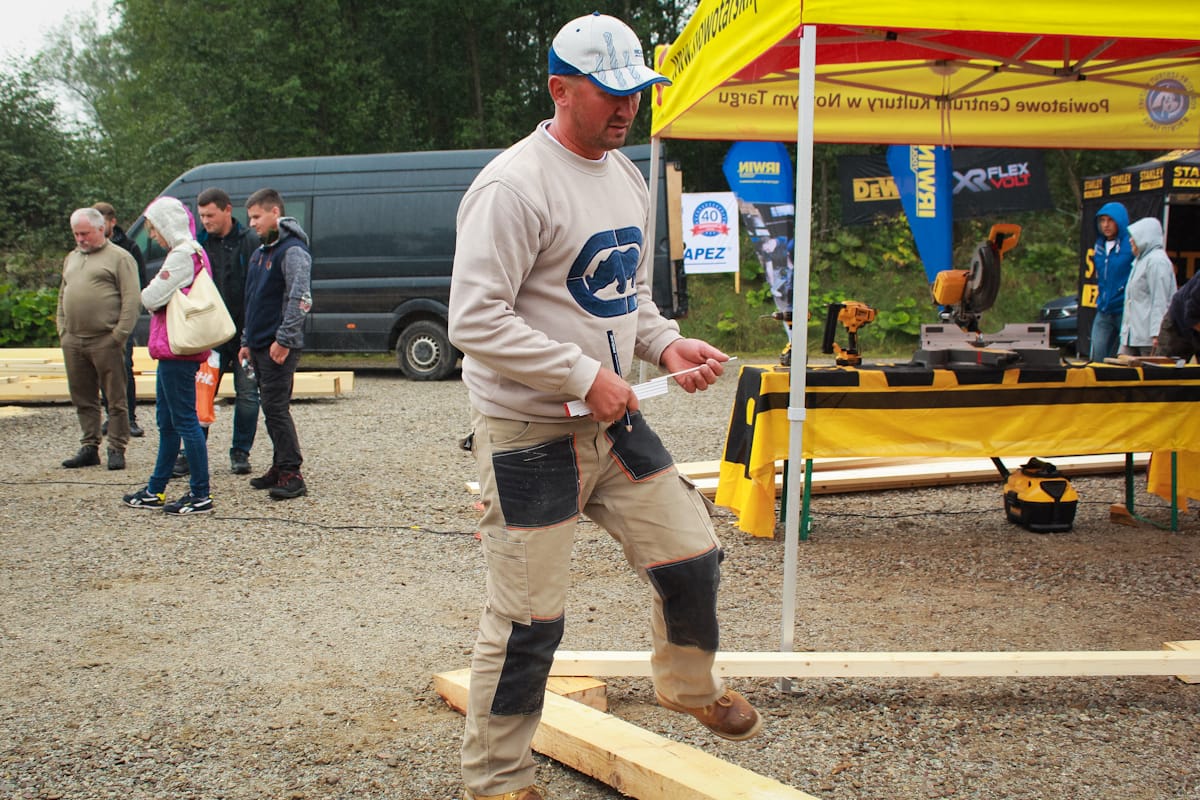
(1174, 492)
(1129, 483)
(805, 512)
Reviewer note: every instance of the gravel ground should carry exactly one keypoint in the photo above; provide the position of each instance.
(285, 650)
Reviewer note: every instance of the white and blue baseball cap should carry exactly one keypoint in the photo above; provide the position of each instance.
(607, 51)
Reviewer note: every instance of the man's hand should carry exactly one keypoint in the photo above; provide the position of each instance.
(688, 353)
(610, 397)
(243, 355)
(279, 353)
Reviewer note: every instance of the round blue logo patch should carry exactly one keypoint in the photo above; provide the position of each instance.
(710, 219)
(1167, 102)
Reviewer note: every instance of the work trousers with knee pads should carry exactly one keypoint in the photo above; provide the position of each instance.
(536, 479)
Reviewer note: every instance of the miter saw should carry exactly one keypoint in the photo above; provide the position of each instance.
(963, 295)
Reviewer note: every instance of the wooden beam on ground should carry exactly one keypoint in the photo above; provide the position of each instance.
(634, 761)
(1189, 645)
(38, 375)
(53, 389)
(907, 473)
(1000, 664)
(705, 473)
(837, 475)
(589, 691)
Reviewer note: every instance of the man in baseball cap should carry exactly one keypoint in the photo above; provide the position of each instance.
(605, 50)
(549, 296)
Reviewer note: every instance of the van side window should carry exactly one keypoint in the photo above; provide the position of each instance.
(388, 227)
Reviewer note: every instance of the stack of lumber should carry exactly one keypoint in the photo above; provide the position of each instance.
(37, 375)
(837, 475)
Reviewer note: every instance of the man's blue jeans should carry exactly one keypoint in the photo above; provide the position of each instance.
(175, 409)
(245, 409)
(1106, 333)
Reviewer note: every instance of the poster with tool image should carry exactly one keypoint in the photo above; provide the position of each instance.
(760, 174)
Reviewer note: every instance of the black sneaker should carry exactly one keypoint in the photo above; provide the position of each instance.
(145, 498)
(239, 462)
(116, 459)
(181, 467)
(291, 484)
(188, 504)
(135, 430)
(266, 480)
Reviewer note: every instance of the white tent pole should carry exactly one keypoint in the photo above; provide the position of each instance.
(801, 266)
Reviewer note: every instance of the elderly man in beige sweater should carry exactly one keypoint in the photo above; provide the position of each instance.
(98, 303)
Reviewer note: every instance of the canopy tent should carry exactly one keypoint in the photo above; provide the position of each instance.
(1017, 74)
(1094, 74)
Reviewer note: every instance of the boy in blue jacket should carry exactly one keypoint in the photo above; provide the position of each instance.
(1113, 259)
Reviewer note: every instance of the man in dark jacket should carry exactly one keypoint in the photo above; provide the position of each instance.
(116, 234)
(278, 297)
(230, 246)
(1179, 335)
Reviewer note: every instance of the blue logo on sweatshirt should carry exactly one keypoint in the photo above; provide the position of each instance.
(603, 278)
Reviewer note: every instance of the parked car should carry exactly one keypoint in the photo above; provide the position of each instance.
(1063, 315)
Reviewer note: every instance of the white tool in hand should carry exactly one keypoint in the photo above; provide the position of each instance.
(651, 388)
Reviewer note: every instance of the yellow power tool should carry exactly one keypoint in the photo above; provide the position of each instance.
(853, 315)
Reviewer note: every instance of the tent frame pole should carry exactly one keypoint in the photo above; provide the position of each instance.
(806, 92)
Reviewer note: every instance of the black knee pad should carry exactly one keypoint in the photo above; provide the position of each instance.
(689, 596)
(527, 660)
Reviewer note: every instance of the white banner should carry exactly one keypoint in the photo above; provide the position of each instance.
(710, 233)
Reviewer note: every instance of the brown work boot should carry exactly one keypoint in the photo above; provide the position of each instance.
(730, 716)
(528, 793)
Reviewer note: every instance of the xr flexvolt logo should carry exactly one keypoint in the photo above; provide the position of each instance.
(986, 179)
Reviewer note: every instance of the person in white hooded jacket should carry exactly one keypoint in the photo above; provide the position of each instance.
(170, 223)
(1149, 289)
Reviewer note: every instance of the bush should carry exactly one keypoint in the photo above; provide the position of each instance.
(27, 317)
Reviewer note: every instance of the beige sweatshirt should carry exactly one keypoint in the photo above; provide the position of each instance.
(550, 256)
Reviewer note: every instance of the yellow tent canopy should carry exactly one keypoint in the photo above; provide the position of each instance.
(1018, 74)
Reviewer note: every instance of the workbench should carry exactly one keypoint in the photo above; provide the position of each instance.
(906, 411)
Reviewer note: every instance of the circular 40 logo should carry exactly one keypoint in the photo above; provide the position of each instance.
(1168, 101)
(710, 219)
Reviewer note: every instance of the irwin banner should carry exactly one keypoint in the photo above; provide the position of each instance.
(922, 174)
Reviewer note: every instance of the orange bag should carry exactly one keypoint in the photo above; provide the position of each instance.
(207, 378)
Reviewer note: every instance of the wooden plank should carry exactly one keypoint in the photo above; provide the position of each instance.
(589, 691)
(712, 469)
(635, 761)
(1000, 664)
(49, 389)
(1188, 645)
(907, 473)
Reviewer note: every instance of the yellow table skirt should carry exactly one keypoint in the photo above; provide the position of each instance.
(901, 411)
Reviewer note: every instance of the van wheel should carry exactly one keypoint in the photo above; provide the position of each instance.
(424, 351)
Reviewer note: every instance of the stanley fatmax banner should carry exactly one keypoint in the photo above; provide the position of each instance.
(986, 181)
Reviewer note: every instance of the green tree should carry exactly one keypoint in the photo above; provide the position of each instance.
(36, 172)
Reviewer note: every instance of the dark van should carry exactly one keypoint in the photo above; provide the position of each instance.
(381, 229)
